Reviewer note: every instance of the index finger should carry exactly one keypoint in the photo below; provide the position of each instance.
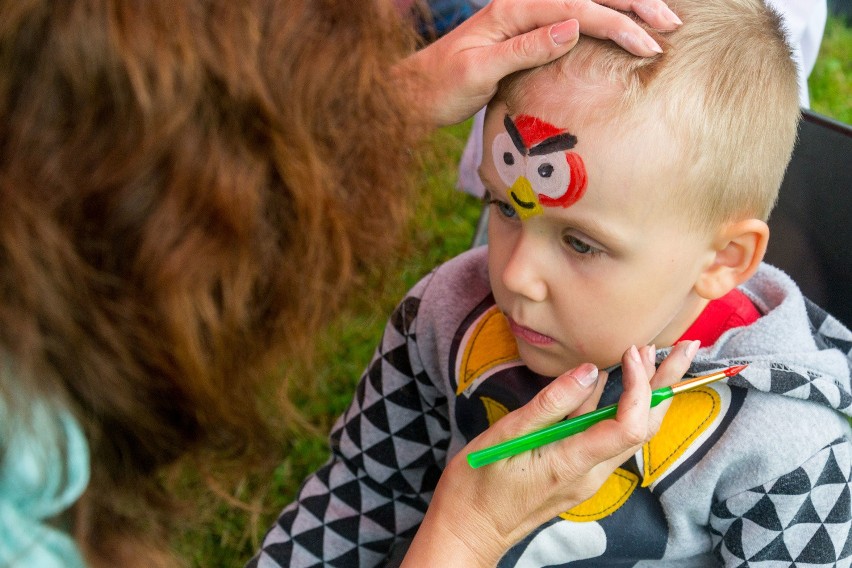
(631, 426)
(676, 364)
(655, 12)
(595, 20)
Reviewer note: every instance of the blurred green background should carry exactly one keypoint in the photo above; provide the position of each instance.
(233, 521)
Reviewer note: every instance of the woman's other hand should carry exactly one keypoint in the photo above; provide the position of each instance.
(457, 75)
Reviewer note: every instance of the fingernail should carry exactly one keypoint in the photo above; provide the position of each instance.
(587, 378)
(653, 45)
(638, 43)
(634, 354)
(564, 32)
(653, 11)
(672, 17)
(651, 354)
(692, 349)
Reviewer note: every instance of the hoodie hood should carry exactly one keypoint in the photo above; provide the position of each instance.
(795, 349)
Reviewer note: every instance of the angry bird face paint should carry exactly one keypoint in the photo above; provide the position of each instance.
(533, 160)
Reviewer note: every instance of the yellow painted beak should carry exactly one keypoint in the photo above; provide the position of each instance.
(524, 198)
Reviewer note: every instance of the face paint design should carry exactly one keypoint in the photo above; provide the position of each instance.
(531, 158)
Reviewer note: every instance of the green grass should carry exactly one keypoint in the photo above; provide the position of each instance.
(227, 535)
(830, 83)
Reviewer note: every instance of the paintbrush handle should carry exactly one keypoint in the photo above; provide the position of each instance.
(571, 426)
(553, 433)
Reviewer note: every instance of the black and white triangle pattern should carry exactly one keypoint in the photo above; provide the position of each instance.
(801, 519)
(828, 331)
(795, 382)
(389, 449)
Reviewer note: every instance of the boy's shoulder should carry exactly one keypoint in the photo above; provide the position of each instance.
(791, 334)
(773, 435)
(442, 300)
(463, 277)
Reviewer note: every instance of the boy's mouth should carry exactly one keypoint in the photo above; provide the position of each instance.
(529, 335)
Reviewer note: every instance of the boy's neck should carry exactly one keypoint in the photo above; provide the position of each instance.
(732, 310)
(683, 322)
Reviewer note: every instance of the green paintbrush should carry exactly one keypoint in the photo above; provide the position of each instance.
(577, 424)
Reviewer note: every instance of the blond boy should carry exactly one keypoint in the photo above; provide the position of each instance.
(628, 206)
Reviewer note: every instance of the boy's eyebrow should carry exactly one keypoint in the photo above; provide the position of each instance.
(598, 231)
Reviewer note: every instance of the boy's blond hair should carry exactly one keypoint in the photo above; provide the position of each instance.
(725, 89)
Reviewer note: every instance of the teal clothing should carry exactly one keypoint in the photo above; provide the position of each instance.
(44, 468)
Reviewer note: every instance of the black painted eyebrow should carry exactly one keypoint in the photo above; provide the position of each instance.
(560, 142)
(515, 135)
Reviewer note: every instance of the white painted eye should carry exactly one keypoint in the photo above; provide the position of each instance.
(549, 174)
(508, 161)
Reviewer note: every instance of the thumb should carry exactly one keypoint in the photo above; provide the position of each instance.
(552, 404)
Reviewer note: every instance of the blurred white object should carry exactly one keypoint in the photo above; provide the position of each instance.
(805, 23)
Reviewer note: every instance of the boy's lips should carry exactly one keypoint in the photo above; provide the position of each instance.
(529, 335)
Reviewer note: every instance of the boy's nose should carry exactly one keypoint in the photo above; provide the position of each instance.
(523, 273)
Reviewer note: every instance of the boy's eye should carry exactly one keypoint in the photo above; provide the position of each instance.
(504, 209)
(579, 246)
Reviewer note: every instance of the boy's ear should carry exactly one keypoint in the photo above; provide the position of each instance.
(740, 247)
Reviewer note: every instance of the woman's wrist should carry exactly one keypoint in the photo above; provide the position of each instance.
(453, 537)
(455, 531)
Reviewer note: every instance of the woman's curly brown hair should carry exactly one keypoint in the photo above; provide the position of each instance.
(188, 190)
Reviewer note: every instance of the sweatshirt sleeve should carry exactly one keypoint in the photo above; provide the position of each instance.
(802, 518)
(44, 469)
(388, 451)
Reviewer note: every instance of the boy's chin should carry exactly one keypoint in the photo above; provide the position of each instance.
(555, 368)
(550, 368)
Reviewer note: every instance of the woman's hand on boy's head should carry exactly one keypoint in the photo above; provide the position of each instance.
(458, 74)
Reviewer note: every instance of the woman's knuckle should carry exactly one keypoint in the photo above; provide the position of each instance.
(635, 434)
(551, 401)
(525, 46)
(567, 474)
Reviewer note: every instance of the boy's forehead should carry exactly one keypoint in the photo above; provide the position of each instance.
(550, 119)
(623, 162)
(598, 124)
(561, 97)
(534, 159)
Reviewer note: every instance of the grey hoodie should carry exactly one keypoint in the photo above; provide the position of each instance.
(755, 472)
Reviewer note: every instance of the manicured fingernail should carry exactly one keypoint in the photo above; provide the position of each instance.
(564, 32)
(638, 43)
(587, 376)
(651, 354)
(653, 45)
(692, 349)
(634, 354)
(654, 12)
(672, 17)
